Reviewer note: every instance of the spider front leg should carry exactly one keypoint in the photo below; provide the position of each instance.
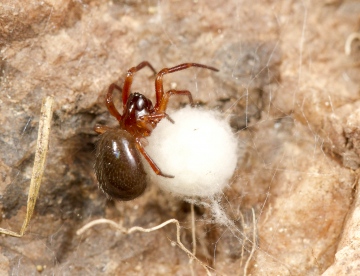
(110, 102)
(125, 91)
(150, 121)
(151, 162)
(159, 77)
(129, 79)
(165, 99)
(154, 117)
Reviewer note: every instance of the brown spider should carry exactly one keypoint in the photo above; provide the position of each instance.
(118, 166)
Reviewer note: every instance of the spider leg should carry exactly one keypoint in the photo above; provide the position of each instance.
(169, 118)
(151, 162)
(155, 117)
(129, 79)
(110, 102)
(149, 122)
(165, 99)
(159, 77)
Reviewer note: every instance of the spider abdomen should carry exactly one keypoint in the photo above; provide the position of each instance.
(118, 165)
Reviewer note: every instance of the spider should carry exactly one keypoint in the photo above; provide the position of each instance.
(118, 164)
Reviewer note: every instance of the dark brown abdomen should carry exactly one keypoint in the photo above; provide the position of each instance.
(118, 165)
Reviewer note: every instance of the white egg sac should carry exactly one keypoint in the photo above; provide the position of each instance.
(199, 150)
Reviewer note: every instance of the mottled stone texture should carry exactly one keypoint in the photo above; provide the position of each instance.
(285, 83)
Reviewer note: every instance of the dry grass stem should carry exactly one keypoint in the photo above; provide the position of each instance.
(39, 164)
